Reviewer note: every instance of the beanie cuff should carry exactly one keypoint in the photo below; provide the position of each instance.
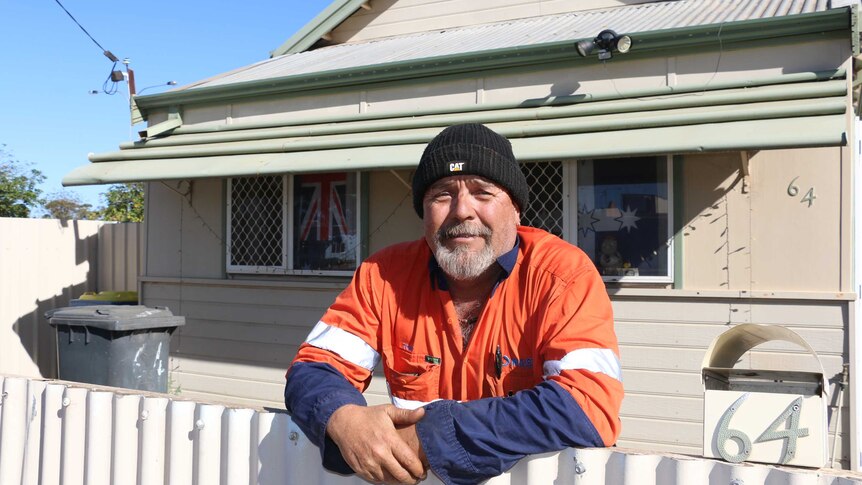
(470, 149)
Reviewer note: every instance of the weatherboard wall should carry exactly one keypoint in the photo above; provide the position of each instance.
(748, 233)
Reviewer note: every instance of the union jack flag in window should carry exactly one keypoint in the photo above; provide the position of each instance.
(325, 221)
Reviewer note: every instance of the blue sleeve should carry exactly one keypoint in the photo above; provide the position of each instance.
(314, 390)
(472, 441)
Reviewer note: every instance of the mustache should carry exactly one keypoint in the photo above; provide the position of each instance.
(462, 229)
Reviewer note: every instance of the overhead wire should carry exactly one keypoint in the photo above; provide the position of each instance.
(104, 51)
(109, 87)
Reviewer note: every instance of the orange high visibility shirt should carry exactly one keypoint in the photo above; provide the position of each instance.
(551, 319)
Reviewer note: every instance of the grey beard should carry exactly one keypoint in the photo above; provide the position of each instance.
(462, 263)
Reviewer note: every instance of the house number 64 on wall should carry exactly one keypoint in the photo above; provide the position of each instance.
(793, 191)
(788, 421)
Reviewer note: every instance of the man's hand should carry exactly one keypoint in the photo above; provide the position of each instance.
(411, 437)
(373, 446)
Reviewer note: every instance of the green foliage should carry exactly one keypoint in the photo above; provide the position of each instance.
(67, 206)
(124, 203)
(19, 192)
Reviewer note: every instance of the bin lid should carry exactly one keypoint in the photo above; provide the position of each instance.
(115, 317)
(115, 296)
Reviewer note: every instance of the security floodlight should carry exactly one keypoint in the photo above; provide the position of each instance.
(624, 44)
(606, 42)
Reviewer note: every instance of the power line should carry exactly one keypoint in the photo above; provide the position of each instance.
(106, 52)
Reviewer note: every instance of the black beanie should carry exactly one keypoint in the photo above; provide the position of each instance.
(470, 149)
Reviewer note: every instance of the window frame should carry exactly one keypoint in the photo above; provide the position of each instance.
(571, 203)
(288, 218)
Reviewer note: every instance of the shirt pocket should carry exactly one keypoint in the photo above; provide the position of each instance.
(412, 378)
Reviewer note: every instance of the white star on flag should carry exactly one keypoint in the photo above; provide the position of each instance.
(586, 219)
(628, 219)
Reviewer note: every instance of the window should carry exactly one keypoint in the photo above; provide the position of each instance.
(545, 180)
(619, 212)
(624, 217)
(293, 224)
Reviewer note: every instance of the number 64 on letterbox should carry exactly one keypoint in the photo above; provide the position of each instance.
(766, 416)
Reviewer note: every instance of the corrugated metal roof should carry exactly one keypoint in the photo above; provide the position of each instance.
(523, 32)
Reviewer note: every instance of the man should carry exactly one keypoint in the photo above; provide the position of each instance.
(497, 340)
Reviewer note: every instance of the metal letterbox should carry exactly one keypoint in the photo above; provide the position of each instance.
(768, 416)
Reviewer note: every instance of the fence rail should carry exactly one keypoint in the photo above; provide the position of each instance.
(55, 433)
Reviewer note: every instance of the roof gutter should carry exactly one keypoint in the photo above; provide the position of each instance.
(712, 35)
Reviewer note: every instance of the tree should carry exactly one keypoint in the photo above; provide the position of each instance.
(66, 205)
(19, 191)
(124, 203)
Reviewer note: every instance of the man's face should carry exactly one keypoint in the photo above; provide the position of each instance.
(469, 222)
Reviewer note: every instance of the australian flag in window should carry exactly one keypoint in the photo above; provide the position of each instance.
(324, 223)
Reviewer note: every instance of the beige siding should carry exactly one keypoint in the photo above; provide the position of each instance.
(392, 218)
(43, 264)
(339, 103)
(708, 67)
(163, 230)
(239, 337)
(708, 180)
(461, 92)
(748, 233)
(395, 17)
(185, 232)
(788, 226)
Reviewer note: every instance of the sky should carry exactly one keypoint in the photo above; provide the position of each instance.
(48, 66)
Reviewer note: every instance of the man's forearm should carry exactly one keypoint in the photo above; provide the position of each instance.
(469, 442)
(313, 392)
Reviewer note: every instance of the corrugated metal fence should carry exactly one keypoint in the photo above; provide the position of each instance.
(43, 264)
(54, 433)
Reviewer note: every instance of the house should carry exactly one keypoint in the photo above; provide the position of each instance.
(711, 171)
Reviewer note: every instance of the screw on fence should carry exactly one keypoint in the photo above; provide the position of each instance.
(3, 397)
(144, 415)
(199, 424)
(580, 469)
(737, 481)
(66, 402)
(293, 436)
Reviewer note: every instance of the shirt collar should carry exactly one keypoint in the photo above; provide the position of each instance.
(506, 261)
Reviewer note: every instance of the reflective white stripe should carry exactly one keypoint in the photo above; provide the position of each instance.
(408, 404)
(345, 344)
(604, 361)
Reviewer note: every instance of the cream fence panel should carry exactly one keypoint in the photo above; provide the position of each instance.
(43, 264)
(62, 434)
